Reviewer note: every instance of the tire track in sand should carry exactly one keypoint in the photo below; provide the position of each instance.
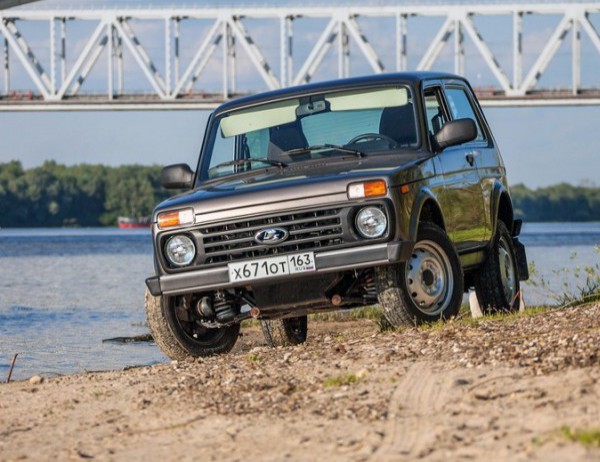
(415, 412)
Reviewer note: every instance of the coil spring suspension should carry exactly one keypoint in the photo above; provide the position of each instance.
(369, 285)
(224, 309)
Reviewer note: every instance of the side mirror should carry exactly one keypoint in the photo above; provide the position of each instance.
(178, 176)
(455, 132)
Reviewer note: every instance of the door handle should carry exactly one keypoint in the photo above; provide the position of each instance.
(470, 156)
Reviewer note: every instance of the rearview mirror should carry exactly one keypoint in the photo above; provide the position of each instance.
(455, 132)
(177, 176)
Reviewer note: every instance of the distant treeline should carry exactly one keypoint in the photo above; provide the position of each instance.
(95, 195)
(82, 195)
(561, 202)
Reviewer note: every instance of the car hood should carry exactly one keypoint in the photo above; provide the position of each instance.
(301, 180)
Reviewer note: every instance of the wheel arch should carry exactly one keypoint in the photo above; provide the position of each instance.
(503, 208)
(425, 208)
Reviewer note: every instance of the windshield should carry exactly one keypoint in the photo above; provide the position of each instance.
(329, 125)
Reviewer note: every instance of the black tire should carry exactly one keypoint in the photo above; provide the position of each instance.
(179, 339)
(497, 281)
(285, 332)
(426, 288)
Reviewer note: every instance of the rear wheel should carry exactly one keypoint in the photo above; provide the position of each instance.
(285, 332)
(180, 336)
(428, 287)
(497, 281)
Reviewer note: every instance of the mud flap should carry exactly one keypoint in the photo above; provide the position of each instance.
(521, 257)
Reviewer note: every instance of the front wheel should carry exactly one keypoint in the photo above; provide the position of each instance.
(285, 332)
(179, 336)
(428, 287)
(497, 281)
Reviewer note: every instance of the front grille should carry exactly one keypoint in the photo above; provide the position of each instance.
(308, 230)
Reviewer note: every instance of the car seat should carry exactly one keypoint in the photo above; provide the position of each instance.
(288, 136)
(398, 123)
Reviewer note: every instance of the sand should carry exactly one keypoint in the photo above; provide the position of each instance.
(512, 389)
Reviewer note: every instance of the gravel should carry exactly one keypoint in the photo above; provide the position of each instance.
(333, 375)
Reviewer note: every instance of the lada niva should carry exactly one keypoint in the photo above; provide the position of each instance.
(385, 189)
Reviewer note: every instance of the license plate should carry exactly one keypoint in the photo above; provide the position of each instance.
(271, 267)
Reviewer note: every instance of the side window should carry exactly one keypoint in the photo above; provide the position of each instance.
(434, 110)
(462, 108)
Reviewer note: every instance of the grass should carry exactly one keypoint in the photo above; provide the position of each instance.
(255, 358)
(586, 289)
(464, 318)
(508, 316)
(373, 312)
(249, 322)
(587, 437)
(340, 380)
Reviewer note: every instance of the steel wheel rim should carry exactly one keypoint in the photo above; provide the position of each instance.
(507, 271)
(429, 278)
(297, 327)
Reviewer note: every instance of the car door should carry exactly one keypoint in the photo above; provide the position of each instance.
(465, 193)
(462, 196)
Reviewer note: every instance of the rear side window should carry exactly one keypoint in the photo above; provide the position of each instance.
(462, 108)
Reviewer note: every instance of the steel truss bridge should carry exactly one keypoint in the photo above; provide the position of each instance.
(53, 80)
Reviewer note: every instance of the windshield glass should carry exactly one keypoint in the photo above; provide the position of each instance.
(329, 125)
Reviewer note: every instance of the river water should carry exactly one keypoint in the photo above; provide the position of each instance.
(63, 291)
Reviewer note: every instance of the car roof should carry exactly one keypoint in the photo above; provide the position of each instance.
(409, 78)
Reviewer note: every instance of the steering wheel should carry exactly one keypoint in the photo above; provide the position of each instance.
(372, 136)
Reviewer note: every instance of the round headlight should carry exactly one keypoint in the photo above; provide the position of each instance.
(180, 250)
(371, 222)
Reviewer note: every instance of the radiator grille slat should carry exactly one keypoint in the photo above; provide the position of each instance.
(214, 231)
(308, 230)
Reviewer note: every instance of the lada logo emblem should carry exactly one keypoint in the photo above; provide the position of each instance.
(271, 236)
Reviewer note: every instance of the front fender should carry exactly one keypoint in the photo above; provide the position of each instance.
(424, 195)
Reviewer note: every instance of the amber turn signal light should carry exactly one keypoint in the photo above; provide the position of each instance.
(375, 188)
(367, 189)
(176, 218)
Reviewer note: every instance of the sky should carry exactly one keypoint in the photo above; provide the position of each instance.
(540, 146)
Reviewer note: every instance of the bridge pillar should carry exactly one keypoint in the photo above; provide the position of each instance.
(6, 68)
(517, 48)
(576, 59)
(401, 41)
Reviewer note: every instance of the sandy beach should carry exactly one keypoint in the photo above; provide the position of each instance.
(517, 388)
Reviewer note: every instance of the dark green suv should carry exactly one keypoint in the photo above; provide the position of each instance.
(330, 196)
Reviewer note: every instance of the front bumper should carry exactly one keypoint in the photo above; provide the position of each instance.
(326, 262)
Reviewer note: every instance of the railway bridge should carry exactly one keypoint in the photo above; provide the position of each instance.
(189, 58)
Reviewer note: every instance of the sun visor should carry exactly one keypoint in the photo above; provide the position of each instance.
(257, 118)
(367, 99)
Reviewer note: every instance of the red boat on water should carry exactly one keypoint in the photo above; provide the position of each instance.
(134, 222)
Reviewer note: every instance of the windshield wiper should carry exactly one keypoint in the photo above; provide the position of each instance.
(264, 160)
(319, 147)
